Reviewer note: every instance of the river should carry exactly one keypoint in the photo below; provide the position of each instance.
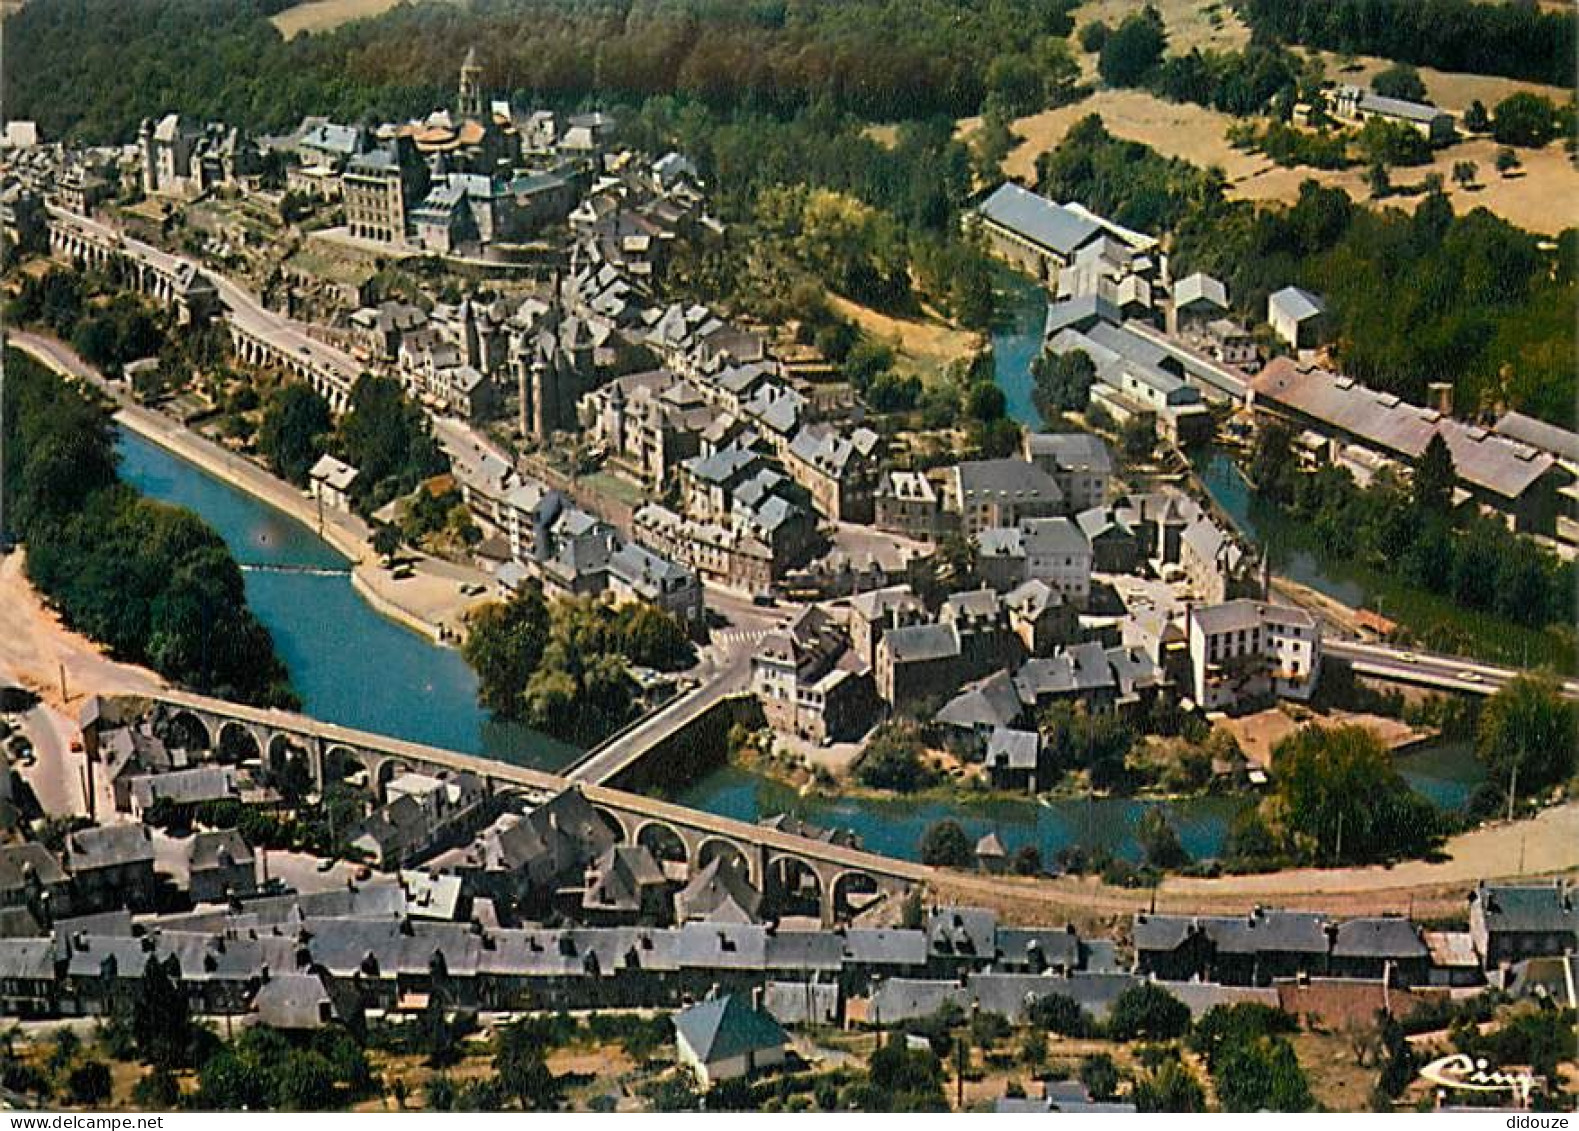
(348, 664)
(351, 666)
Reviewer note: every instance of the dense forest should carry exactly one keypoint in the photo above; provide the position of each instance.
(152, 582)
(1519, 40)
(94, 68)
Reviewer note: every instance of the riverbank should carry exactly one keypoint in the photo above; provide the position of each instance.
(428, 602)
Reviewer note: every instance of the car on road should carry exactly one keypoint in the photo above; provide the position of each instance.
(1469, 677)
(325, 865)
(764, 600)
(1409, 657)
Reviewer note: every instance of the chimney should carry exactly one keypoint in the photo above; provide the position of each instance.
(1439, 395)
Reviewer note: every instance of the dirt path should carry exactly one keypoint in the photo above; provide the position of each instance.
(1546, 845)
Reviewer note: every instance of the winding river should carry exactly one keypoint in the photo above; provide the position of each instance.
(352, 666)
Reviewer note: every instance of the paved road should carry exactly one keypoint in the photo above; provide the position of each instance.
(1446, 673)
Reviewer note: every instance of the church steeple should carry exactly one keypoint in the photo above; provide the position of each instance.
(468, 104)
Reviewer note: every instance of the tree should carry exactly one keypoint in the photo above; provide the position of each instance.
(1149, 1012)
(161, 1019)
(893, 760)
(1507, 161)
(1339, 798)
(1027, 861)
(1524, 119)
(901, 1078)
(1172, 1087)
(1400, 81)
(386, 541)
(1435, 476)
(504, 645)
(1159, 840)
(522, 1071)
(946, 845)
(1132, 51)
(1063, 381)
(1465, 172)
(1262, 1075)
(389, 441)
(295, 422)
(1100, 1076)
(1530, 732)
(1380, 184)
(1061, 1014)
(1136, 439)
(89, 1083)
(1272, 466)
(1476, 119)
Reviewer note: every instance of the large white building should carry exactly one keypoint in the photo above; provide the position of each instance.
(1246, 650)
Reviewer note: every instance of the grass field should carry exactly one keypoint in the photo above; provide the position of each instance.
(326, 15)
(923, 346)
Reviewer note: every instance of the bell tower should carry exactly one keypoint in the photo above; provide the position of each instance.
(468, 103)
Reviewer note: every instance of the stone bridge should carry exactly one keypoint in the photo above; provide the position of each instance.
(834, 875)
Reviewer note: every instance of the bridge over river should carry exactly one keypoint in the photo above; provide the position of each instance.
(841, 875)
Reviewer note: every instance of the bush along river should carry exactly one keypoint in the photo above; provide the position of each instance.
(351, 666)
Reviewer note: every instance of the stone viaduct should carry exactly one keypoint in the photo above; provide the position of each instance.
(833, 874)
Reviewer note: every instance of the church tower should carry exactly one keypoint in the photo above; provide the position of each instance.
(468, 104)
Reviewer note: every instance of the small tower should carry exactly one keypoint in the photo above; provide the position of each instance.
(469, 102)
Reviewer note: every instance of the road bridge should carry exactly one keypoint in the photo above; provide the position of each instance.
(766, 856)
(1426, 669)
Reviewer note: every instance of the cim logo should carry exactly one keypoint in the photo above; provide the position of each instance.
(1469, 1074)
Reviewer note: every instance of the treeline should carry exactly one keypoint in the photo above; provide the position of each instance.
(1412, 299)
(94, 68)
(1519, 40)
(1412, 535)
(1126, 181)
(152, 582)
(564, 667)
(1235, 82)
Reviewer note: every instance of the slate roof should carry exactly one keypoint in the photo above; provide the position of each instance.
(1200, 287)
(1038, 219)
(1005, 479)
(717, 893)
(220, 849)
(24, 864)
(1071, 450)
(1292, 302)
(1027, 945)
(108, 846)
(917, 643)
(1557, 441)
(1380, 937)
(1528, 907)
(989, 702)
(1013, 749)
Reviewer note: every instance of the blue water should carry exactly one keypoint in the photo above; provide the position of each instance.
(1016, 340)
(348, 664)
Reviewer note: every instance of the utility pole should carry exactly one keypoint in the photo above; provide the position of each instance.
(1513, 789)
(1339, 855)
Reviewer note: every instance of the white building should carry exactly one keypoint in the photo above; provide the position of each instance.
(726, 1038)
(331, 481)
(1245, 650)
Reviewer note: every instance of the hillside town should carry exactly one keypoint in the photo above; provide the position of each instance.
(477, 355)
